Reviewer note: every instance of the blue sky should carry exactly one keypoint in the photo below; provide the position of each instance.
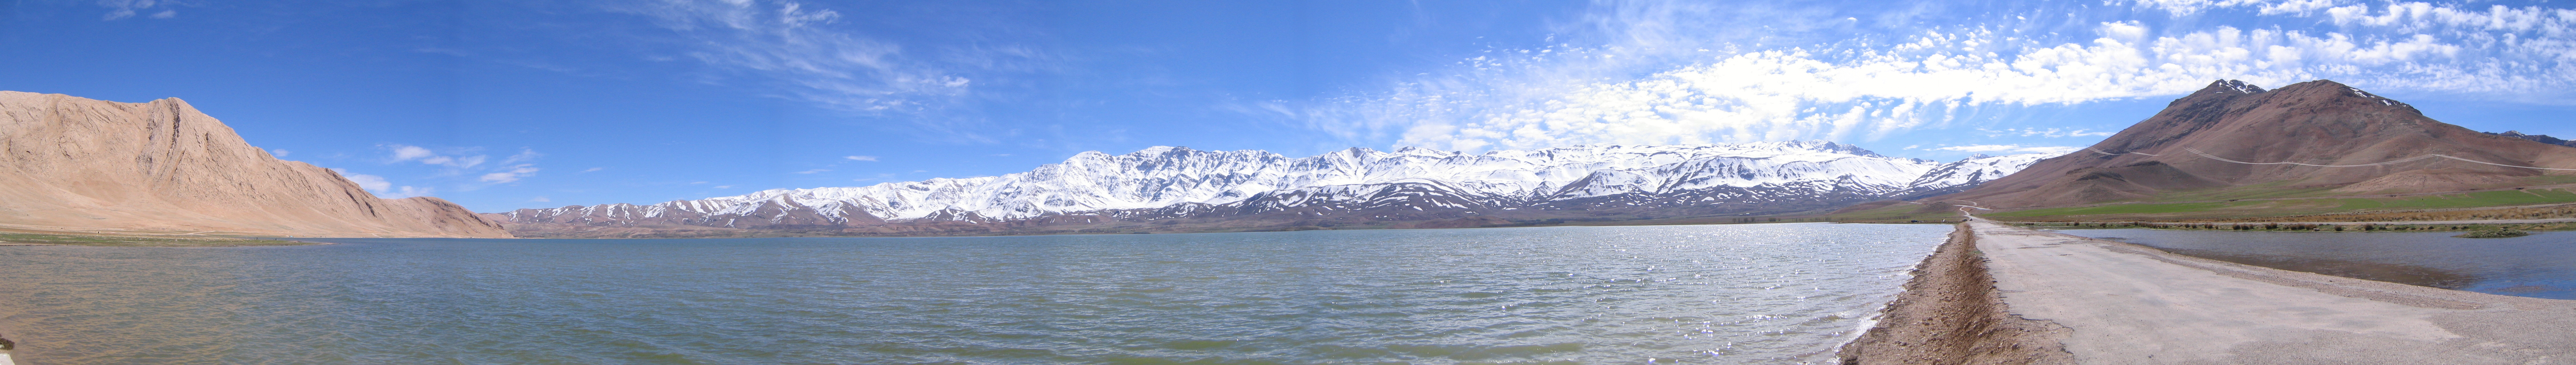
(500, 105)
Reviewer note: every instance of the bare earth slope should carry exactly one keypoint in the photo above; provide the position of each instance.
(2315, 123)
(69, 163)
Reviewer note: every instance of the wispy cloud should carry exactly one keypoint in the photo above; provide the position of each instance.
(1665, 72)
(408, 153)
(813, 171)
(861, 158)
(382, 188)
(2009, 148)
(524, 155)
(813, 54)
(369, 182)
(463, 161)
(512, 175)
(121, 9)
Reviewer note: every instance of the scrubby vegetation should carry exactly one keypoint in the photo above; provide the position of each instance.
(2556, 212)
(2494, 232)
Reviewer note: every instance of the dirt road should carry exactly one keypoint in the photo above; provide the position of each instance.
(2385, 223)
(2129, 304)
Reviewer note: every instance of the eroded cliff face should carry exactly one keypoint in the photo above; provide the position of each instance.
(79, 164)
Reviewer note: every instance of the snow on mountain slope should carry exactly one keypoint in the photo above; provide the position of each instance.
(1161, 177)
(1978, 169)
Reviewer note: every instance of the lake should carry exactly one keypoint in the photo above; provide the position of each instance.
(1753, 293)
(2542, 265)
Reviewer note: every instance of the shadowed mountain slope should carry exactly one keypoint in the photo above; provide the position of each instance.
(68, 163)
(2233, 138)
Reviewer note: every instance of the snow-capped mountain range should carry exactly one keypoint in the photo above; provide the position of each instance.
(1171, 182)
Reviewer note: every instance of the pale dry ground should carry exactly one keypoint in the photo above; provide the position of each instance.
(2387, 223)
(2130, 304)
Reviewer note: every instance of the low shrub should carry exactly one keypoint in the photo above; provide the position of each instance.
(2496, 232)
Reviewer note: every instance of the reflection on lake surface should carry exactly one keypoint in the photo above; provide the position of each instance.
(2542, 265)
(1758, 293)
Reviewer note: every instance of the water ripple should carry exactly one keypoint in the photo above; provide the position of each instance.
(1769, 293)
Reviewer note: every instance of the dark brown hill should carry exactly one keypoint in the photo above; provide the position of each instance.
(2235, 138)
(74, 164)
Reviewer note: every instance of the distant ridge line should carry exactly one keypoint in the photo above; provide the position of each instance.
(2117, 154)
(2197, 151)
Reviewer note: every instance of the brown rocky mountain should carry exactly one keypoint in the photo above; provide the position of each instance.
(75, 164)
(2235, 139)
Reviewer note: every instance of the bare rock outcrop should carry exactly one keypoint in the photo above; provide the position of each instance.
(69, 163)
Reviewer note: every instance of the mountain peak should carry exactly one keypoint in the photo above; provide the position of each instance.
(2230, 87)
(1831, 146)
(2310, 134)
(2321, 90)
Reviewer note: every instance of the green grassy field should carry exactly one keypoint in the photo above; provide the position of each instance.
(134, 241)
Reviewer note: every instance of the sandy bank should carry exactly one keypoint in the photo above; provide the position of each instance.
(1951, 314)
(2125, 304)
(2383, 223)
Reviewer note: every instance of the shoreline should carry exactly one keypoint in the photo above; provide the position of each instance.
(1952, 294)
(2125, 303)
(2354, 227)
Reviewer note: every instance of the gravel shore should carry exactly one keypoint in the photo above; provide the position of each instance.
(1951, 314)
(1998, 294)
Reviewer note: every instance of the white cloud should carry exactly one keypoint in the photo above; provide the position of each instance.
(594, 169)
(404, 153)
(404, 192)
(121, 9)
(540, 199)
(813, 171)
(2189, 7)
(524, 155)
(408, 153)
(381, 187)
(513, 174)
(1735, 91)
(861, 158)
(369, 182)
(808, 51)
(2009, 148)
(724, 186)
(278, 152)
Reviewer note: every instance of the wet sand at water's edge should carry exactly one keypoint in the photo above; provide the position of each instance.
(2056, 298)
